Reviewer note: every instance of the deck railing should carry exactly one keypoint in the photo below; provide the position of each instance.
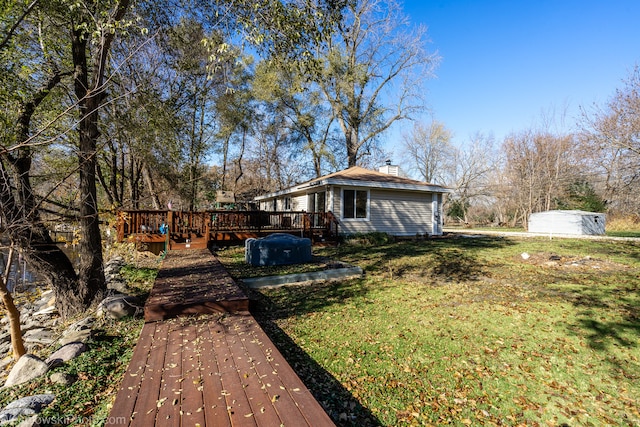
(207, 223)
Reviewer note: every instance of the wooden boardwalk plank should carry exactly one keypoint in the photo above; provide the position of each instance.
(149, 391)
(192, 403)
(171, 382)
(262, 407)
(210, 369)
(129, 389)
(283, 384)
(215, 402)
(238, 404)
(193, 282)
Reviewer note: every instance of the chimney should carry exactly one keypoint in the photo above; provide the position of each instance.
(390, 169)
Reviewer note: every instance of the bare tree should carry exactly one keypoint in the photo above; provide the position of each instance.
(428, 150)
(539, 168)
(611, 141)
(373, 70)
(469, 174)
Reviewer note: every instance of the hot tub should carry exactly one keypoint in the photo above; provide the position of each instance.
(277, 249)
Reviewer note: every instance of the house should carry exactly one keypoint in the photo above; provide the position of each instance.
(567, 222)
(366, 201)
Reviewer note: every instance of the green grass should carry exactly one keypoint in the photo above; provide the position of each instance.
(624, 234)
(467, 332)
(98, 371)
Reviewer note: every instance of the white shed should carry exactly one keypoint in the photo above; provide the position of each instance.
(567, 222)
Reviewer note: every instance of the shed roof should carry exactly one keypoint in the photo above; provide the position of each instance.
(566, 212)
(357, 176)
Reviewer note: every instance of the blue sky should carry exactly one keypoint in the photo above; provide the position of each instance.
(505, 63)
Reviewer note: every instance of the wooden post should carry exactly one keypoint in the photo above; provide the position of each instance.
(122, 217)
(207, 227)
(171, 228)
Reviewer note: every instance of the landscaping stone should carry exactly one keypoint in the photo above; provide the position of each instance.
(39, 336)
(26, 368)
(118, 284)
(75, 337)
(81, 325)
(66, 353)
(30, 405)
(49, 310)
(29, 324)
(62, 378)
(6, 361)
(119, 306)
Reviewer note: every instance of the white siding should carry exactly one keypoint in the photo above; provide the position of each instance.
(299, 203)
(394, 212)
(337, 202)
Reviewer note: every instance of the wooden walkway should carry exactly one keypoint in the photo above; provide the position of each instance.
(193, 282)
(212, 369)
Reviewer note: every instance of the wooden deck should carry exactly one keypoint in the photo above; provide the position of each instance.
(199, 230)
(213, 369)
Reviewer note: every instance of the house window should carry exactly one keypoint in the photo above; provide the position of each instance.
(287, 203)
(316, 202)
(355, 204)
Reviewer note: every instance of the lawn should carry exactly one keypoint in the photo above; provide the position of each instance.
(468, 332)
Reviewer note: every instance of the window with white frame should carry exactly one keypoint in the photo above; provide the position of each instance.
(355, 204)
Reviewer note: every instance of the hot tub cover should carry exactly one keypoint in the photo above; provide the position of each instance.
(277, 249)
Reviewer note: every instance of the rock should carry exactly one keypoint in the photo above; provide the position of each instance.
(5, 347)
(113, 266)
(4, 363)
(75, 337)
(62, 378)
(525, 255)
(555, 258)
(30, 324)
(118, 284)
(46, 311)
(26, 368)
(46, 293)
(30, 405)
(119, 306)
(39, 336)
(80, 325)
(66, 353)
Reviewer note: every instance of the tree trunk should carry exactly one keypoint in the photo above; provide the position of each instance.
(21, 218)
(13, 314)
(151, 187)
(352, 147)
(42, 255)
(91, 284)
